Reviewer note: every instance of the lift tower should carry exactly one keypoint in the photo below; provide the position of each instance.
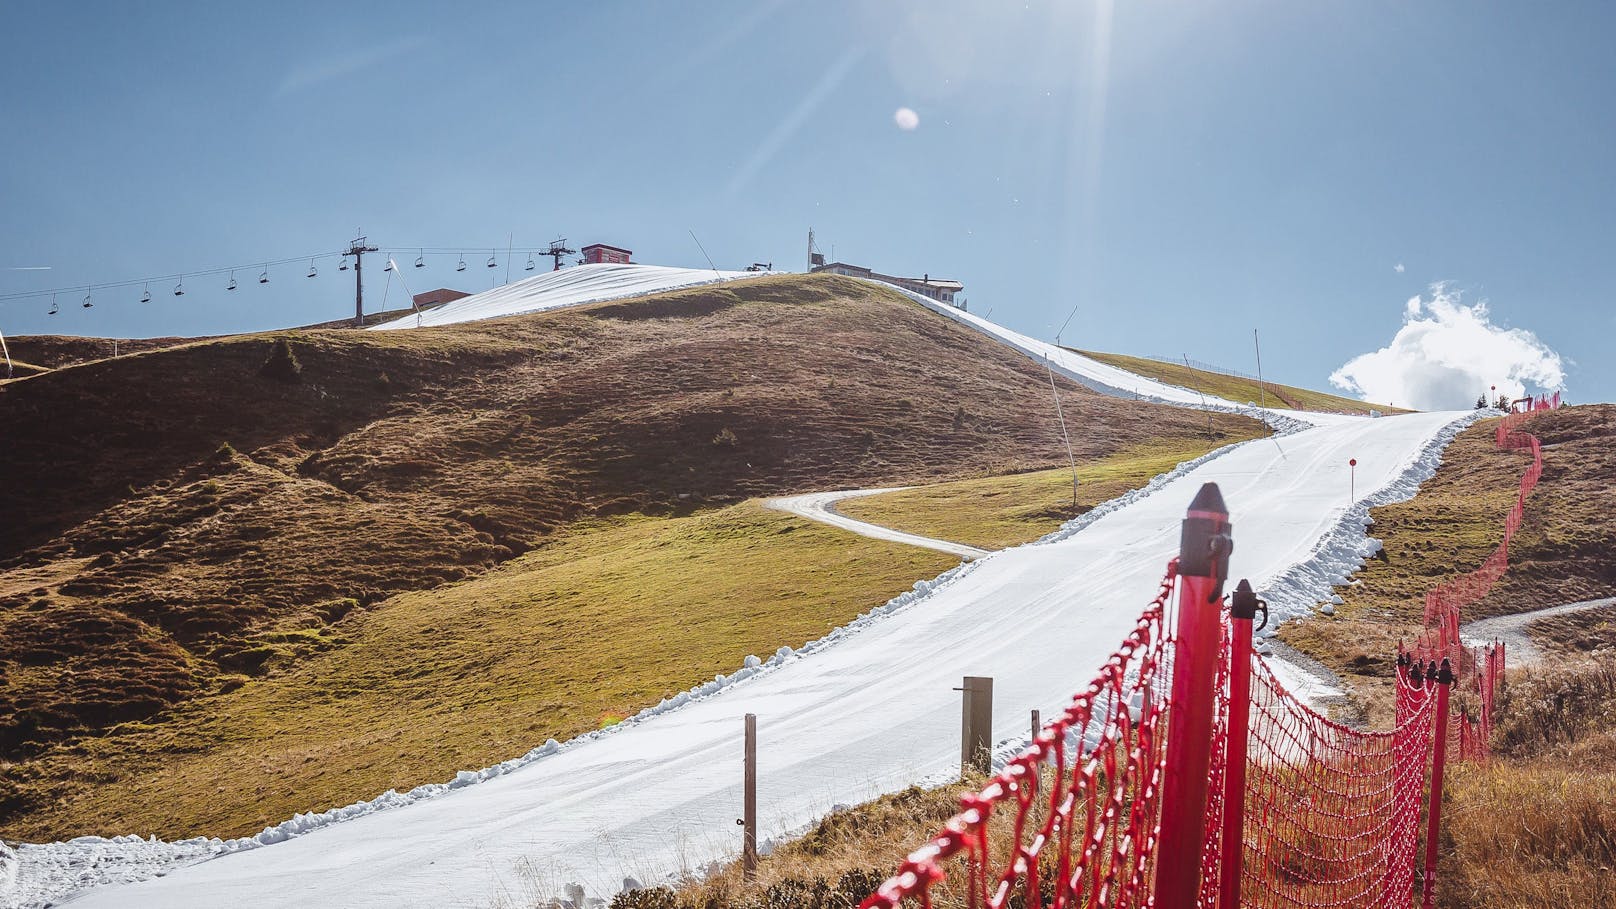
(558, 248)
(357, 249)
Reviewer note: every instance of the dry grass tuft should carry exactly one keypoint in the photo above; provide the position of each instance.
(1536, 826)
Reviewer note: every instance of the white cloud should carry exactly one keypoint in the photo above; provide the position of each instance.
(1446, 354)
(906, 118)
(1398, 268)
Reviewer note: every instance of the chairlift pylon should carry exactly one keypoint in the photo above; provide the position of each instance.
(462, 265)
(145, 293)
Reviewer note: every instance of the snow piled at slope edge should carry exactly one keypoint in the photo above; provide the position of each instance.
(1344, 550)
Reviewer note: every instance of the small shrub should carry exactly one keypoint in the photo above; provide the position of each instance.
(646, 898)
(725, 438)
(281, 364)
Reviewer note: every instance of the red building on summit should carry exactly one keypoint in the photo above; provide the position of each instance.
(601, 254)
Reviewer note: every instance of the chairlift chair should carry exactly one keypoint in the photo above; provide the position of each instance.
(54, 308)
(343, 265)
(179, 289)
(389, 265)
(145, 294)
(530, 263)
(462, 265)
(87, 302)
(312, 272)
(232, 284)
(263, 277)
(420, 258)
(491, 262)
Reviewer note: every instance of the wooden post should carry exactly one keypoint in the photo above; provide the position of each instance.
(1037, 776)
(976, 725)
(749, 808)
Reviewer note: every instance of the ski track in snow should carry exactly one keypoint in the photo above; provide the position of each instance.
(690, 827)
(821, 507)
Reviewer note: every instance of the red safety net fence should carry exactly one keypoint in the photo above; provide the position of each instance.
(1085, 839)
(1480, 670)
(1331, 813)
(1226, 791)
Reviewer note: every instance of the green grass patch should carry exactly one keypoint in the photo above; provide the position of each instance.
(1237, 388)
(995, 512)
(571, 637)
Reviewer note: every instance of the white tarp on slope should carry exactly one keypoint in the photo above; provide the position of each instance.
(869, 713)
(567, 287)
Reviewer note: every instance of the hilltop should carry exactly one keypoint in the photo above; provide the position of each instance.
(196, 519)
(1238, 389)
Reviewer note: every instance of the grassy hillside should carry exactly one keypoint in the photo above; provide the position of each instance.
(1236, 388)
(1536, 825)
(194, 522)
(1564, 552)
(606, 619)
(1000, 511)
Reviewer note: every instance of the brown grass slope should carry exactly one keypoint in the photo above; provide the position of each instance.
(1565, 550)
(1237, 388)
(1536, 825)
(187, 516)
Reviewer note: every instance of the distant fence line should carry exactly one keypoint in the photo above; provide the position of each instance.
(1207, 367)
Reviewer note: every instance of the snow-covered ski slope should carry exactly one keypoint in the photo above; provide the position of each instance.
(1111, 380)
(567, 287)
(868, 710)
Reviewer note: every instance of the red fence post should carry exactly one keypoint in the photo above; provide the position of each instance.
(1443, 680)
(1242, 609)
(1203, 564)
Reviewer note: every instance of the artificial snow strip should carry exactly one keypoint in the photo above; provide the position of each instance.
(1106, 379)
(578, 286)
(1346, 548)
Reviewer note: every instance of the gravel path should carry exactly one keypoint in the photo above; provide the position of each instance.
(1511, 629)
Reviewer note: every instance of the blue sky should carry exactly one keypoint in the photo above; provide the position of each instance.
(1179, 173)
